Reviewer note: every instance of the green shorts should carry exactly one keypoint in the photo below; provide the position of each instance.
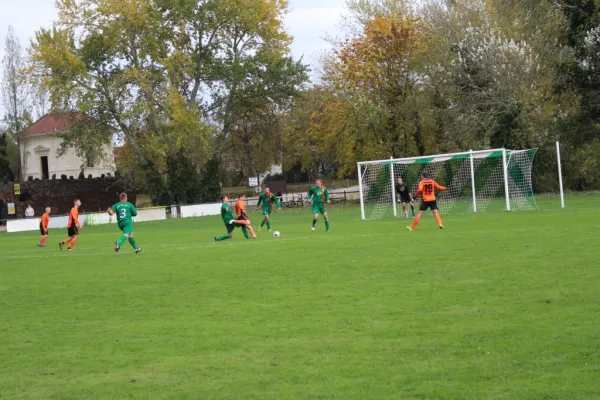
(266, 211)
(318, 208)
(126, 227)
(231, 227)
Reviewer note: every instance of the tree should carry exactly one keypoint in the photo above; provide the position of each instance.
(6, 174)
(15, 91)
(376, 108)
(171, 75)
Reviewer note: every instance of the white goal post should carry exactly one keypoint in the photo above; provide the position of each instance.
(476, 181)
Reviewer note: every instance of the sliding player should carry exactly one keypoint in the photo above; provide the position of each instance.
(403, 195)
(73, 226)
(320, 196)
(267, 199)
(44, 227)
(427, 188)
(230, 222)
(125, 212)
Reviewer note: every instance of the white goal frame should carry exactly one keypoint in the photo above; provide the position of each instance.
(471, 155)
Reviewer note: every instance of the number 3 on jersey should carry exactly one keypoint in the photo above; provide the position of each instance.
(123, 213)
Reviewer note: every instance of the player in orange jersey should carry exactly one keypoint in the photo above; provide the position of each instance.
(73, 226)
(427, 188)
(44, 227)
(240, 210)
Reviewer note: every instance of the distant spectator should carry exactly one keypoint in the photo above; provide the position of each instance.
(29, 211)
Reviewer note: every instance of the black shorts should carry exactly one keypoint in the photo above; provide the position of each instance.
(42, 231)
(405, 199)
(242, 218)
(73, 231)
(425, 205)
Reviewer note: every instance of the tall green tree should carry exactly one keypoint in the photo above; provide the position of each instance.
(173, 77)
(15, 93)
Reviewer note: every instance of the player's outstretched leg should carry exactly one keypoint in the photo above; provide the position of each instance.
(314, 221)
(251, 230)
(415, 222)
(245, 232)
(326, 218)
(224, 237)
(268, 220)
(438, 219)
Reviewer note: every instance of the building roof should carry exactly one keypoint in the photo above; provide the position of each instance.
(51, 123)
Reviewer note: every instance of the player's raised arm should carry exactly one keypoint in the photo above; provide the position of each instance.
(438, 186)
(277, 203)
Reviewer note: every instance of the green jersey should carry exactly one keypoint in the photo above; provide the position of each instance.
(319, 195)
(267, 201)
(125, 212)
(226, 213)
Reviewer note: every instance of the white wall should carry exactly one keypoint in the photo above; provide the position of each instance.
(200, 210)
(69, 164)
(33, 224)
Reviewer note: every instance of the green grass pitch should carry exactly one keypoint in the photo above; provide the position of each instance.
(497, 306)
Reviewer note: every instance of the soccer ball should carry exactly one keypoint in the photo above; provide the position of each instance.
(276, 234)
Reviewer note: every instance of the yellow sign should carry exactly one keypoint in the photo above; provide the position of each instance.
(11, 208)
(17, 189)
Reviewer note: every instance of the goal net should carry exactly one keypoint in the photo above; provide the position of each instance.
(476, 181)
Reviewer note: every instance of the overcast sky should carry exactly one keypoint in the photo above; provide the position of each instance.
(309, 21)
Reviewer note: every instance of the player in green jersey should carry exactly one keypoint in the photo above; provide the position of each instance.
(319, 196)
(267, 199)
(230, 221)
(125, 212)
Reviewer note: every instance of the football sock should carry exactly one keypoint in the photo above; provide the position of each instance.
(438, 219)
(224, 237)
(245, 232)
(252, 231)
(72, 244)
(263, 223)
(67, 240)
(268, 224)
(121, 240)
(43, 240)
(133, 243)
(415, 222)
(327, 225)
(413, 210)
(314, 222)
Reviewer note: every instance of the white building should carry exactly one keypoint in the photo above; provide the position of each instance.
(41, 142)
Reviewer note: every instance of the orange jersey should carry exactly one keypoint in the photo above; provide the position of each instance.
(73, 218)
(427, 188)
(240, 208)
(45, 221)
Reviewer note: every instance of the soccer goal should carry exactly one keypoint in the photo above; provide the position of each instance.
(476, 181)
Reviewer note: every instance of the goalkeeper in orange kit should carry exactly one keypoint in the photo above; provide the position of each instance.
(427, 188)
